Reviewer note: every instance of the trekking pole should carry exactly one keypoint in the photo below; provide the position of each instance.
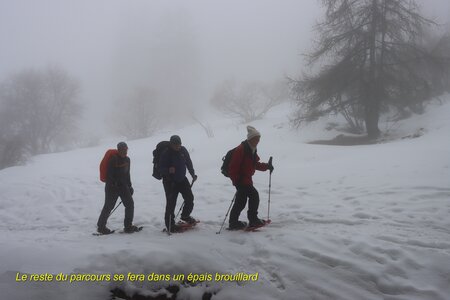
(270, 186)
(182, 205)
(114, 209)
(170, 225)
(229, 208)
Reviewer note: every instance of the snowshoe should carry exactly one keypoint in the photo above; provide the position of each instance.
(180, 227)
(253, 226)
(132, 229)
(239, 225)
(257, 223)
(103, 231)
(189, 220)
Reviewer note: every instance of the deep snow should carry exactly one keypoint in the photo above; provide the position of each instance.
(360, 222)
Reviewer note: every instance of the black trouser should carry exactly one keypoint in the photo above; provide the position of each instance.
(172, 189)
(111, 195)
(242, 193)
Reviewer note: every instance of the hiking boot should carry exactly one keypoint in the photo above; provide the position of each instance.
(237, 225)
(257, 223)
(189, 220)
(175, 228)
(131, 229)
(104, 230)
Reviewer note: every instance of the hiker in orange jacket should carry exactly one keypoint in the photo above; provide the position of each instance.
(118, 184)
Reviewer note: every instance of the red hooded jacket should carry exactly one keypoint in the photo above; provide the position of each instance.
(243, 165)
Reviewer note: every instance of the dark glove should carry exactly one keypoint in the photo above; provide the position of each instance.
(194, 178)
(131, 190)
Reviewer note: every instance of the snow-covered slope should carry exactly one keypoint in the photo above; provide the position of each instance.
(360, 222)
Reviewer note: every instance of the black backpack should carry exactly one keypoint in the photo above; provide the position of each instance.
(160, 148)
(226, 162)
(227, 159)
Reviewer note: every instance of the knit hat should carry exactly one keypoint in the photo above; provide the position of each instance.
(175, 139)
(122, 145)
(252, 132)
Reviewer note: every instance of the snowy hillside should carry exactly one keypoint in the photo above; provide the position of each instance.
(360, 222)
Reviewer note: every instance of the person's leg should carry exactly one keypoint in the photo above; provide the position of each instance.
(128, 202)
(171, 201)
(253, 204)
(239, 204)
(186, 192)
(111, 196)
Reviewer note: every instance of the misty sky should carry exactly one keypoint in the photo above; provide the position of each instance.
(183, 48)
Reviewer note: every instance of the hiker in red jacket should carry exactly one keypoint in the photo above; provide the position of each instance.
(243, 164)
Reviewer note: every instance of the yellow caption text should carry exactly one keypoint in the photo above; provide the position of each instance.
(135, 277)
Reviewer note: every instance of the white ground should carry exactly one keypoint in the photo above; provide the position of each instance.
(360, 222)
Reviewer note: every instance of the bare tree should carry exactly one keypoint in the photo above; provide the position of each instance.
(367, 49)
(63, 110)
(137, 116)
(37, 109)
(12, 149)
(206, 126)
(249, 101)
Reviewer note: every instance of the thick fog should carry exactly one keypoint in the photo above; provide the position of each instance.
(180, 50)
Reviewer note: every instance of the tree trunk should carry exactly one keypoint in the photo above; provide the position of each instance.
(372, 105)
(372, 116)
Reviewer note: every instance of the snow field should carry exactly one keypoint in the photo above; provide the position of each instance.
(360, 222)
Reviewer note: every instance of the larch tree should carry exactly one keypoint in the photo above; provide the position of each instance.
(365, 55)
